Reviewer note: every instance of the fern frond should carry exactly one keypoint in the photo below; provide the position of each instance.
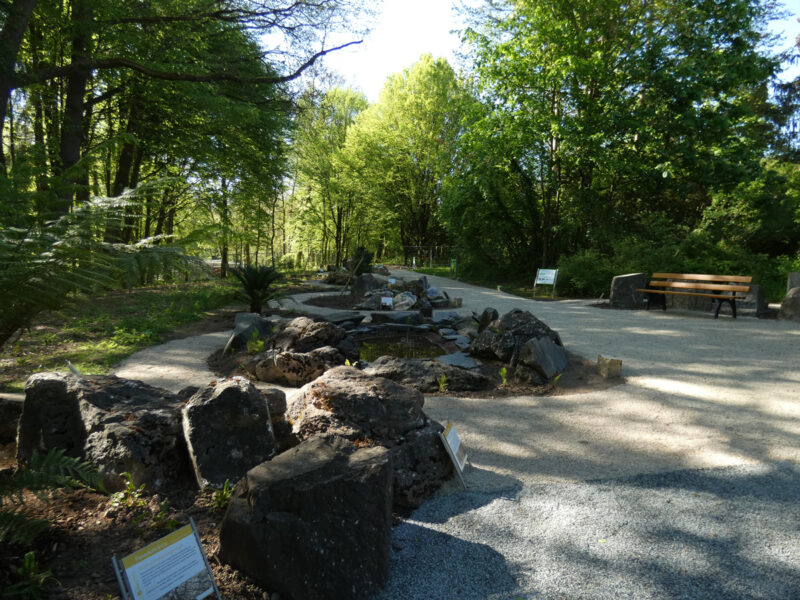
(16, 527)
(53, 470)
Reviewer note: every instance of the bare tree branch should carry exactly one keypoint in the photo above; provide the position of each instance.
(23, 79)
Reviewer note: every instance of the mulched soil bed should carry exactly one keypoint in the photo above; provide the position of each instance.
(86, 531)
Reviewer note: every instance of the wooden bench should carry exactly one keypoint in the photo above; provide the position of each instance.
(715, 287)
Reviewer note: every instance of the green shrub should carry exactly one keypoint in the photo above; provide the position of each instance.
(256, 284)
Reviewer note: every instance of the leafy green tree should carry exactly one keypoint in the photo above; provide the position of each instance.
(328, 204)
(600, 114)
(400, 150)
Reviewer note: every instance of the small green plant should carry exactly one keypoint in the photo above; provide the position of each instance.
(161, 518)
(255, 345)
(222, 497)
(32, 581)
(347, 362)
(255, 285)
(42, 475)
(442, 381)
(504, 376)
(131, 495)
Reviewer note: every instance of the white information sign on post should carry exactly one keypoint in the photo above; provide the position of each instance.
(545, 277)
(173, 567)
(455, 449)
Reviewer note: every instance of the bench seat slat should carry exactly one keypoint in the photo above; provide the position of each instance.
(704, 277)
(688, 285)
(693, 294)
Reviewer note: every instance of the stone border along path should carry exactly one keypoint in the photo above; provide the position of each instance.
(681, 483)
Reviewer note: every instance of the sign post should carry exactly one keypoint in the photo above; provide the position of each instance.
(173, 567)
(455, 449)
(546, 277)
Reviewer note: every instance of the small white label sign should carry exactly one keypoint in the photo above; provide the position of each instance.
(546, 276)
(455, 449)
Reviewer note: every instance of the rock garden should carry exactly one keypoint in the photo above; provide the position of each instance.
(352, 436)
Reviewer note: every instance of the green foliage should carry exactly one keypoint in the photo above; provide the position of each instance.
(41, 475)
(504, 376)
(256, 285)
(361, 261)
(132, 495)
(255, 345)
(442, 381)
(222, 497)
(32, 580)
(43, 265)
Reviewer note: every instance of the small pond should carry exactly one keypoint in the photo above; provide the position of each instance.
(414, 346)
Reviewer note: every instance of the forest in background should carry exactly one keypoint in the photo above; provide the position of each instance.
(603, 138)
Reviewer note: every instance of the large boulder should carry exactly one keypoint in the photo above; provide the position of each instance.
(485, 318)
(381, 270)
(366, 282)
(539, 361)
(423, 374)
(792, 281)
(346, 402)
(503, 338)
(10, 411)
(119, 426)
(303, 334)
(248, 326)
(623, 290)
(790, 306)
(351, 403)
(297, 368)
(228, 430)
(315, 522)
(404, 301)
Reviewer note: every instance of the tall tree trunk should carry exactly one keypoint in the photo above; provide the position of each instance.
(72, 128)
(225, 219)
(17, 18)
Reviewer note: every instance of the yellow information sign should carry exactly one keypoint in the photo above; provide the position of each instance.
(173, 567)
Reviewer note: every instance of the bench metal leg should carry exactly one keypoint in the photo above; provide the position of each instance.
(730, 301)
(657, 299)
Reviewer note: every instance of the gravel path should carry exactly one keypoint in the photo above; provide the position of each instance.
(716, 534)
(681, 483)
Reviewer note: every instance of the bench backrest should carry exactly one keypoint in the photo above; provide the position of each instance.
(695, 281)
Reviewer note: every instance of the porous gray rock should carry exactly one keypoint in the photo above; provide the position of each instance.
(303, 335)
(297, 368)
(790, 306)
(543, 355)
(623, 291)
(420, 465)
(245, 326)
(485, 318)
(503, 338)
(404, 317)
(364, 283)
(371, 303)
(315, 522)
(494, 345)
(349, 403)
(423, 374)
(404, 301)
(792, 281)
(228, 430)
(10, 411)
(117, 425)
